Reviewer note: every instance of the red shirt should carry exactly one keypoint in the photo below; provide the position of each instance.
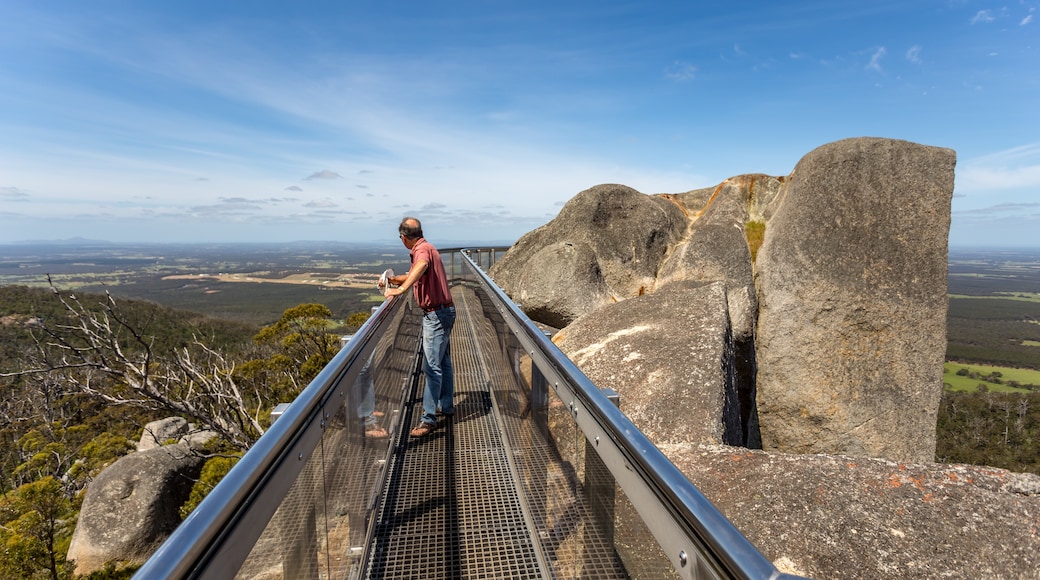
(431, 289)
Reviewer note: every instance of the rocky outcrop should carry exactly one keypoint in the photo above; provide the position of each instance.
(852, 288)
(132, 506)
(842, 323)
(838, 328)
(674, 390)
(830, 516)
(174, 430)
(605, 245)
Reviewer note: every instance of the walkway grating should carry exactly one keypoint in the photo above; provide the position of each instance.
(451, 508)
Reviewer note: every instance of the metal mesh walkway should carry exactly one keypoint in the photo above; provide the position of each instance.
(451, 508)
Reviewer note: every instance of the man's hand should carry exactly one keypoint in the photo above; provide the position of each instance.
(405, 281)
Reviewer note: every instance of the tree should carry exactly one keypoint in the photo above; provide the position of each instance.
(304, 345)
(98, 353)
(36, 522)
(355, 320)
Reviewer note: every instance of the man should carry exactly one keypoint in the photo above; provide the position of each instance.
(430, 285)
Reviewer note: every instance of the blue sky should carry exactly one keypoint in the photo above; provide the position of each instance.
(277, 121)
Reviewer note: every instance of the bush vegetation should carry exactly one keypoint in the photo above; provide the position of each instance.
(995, 429)
(54, 438)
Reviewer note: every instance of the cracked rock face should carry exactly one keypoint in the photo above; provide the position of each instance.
(851, 284)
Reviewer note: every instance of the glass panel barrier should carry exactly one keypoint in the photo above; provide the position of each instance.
(299, 503)
(585, 527)
(320, 528)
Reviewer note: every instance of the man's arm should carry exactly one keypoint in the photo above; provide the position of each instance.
(406, 281)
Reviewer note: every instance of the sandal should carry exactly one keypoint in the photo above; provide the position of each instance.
(376, 433)
(422, 429)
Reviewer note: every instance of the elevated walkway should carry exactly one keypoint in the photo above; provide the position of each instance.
(538, 474)
(453, 508)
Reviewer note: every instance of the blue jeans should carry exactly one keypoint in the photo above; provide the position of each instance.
(439, 392)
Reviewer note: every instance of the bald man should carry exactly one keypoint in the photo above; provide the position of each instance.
(429, 283)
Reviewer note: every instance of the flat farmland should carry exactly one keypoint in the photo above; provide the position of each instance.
(994, 308)
(251, 283)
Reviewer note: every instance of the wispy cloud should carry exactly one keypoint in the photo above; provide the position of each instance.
(294, 188)
(1000, 209)
(913, 54)
(1014, 168)
(983, 16)
(228, 206)
(321, 204)
(1026, 20)
(13, 194)
(680, 71)
(875, 59)
(323, 174)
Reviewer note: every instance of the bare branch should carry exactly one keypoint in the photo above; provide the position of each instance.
(101, 354)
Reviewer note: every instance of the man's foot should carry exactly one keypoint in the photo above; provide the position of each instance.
(422, 429)
(376, 433)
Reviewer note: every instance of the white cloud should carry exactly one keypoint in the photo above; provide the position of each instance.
(913, 54)
(321, 203)
(680, 71)
(13, 194)
(1014, 168)
(323, 174)
(1026, 20)
(1000, 209)
(983, 16)
(875, 59)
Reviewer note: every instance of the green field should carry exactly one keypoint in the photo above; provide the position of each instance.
(958, 383)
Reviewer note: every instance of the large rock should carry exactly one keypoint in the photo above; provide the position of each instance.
(669, 356)
(853, 517)
(158, 433)
(851, 285)
(132, 507)
(566, 283)
(605, 245)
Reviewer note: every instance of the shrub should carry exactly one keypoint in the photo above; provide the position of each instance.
(212, 472)
(755, 231)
